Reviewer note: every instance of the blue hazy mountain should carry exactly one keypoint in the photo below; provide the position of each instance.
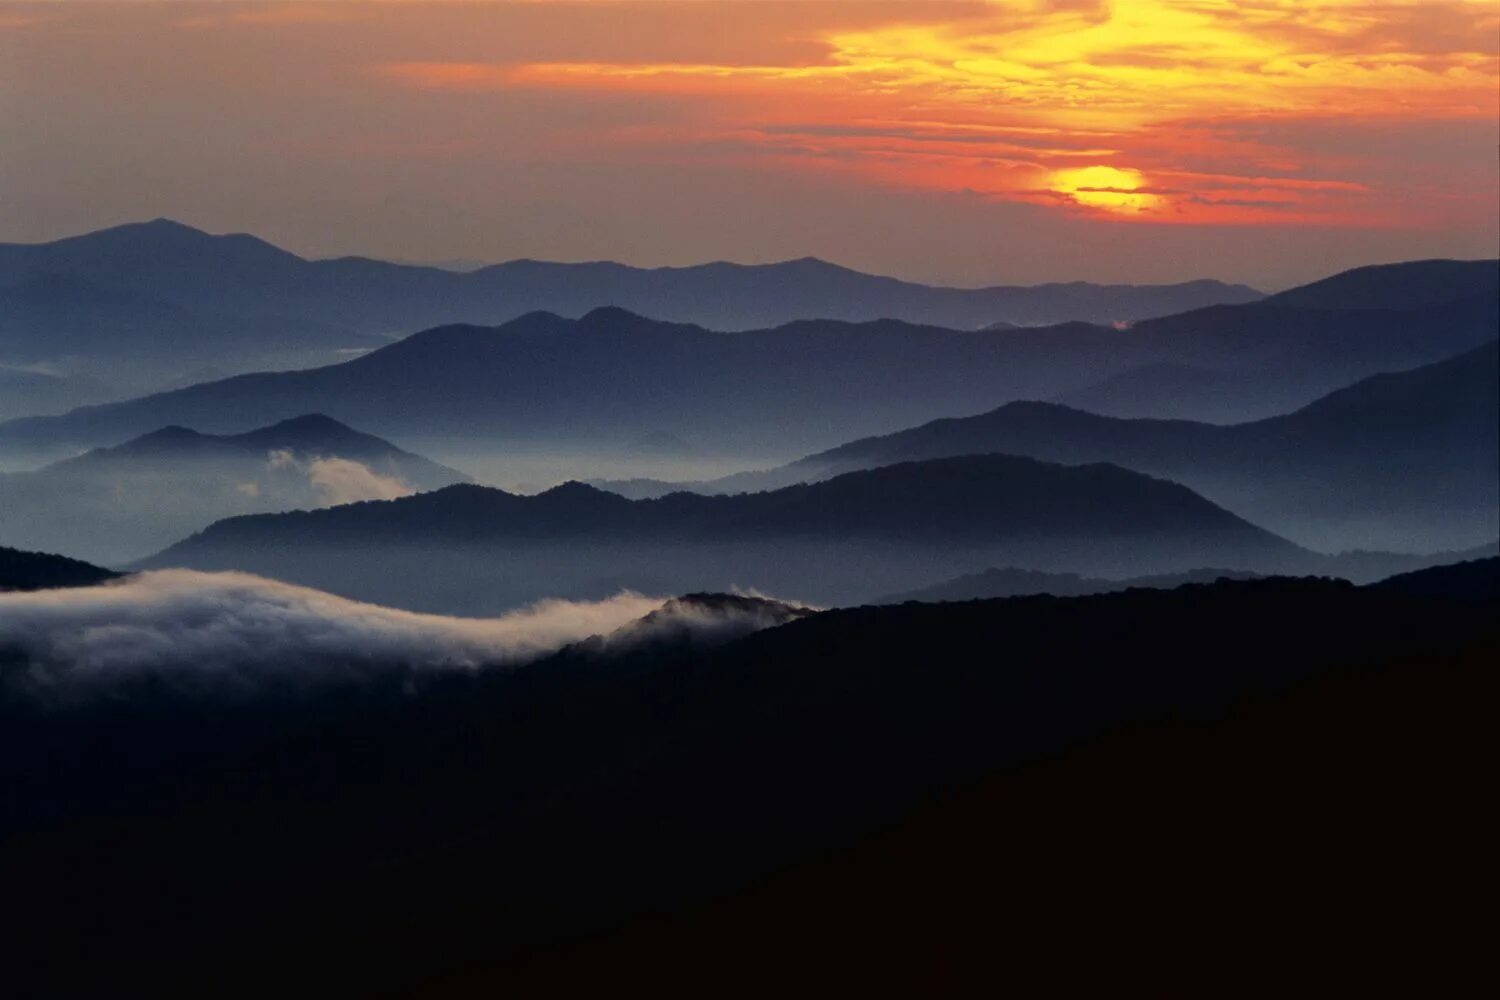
(1402, 460)
(470, 549)
(612, 377)
(246, 276)
(26, 391)
(1407, 285)
(115, 504)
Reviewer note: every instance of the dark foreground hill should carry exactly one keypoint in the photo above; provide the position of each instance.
(467, 549)
(898, 799)
(992, 583)
(611, 377)
(117, 504)
(41, 571)
(1403, 460)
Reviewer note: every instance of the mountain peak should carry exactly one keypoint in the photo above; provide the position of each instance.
(308, 423)
(602, 316)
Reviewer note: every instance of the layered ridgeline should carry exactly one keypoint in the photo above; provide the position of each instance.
(28, 390)
(612, 377)
(236, 296)
(117, 504)
(1406, 461)
(470, 549)
(1069, 757)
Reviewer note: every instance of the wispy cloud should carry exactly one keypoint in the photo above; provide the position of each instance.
(340, 480)
(241, 630)
(238, 634)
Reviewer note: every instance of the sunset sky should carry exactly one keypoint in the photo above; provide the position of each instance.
(966, 142)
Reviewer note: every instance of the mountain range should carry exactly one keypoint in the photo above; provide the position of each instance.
(115, 504)
(472, 550)
(1393, 461)
(142, 304)
(613, 377)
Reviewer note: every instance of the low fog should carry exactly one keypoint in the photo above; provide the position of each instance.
(237, 630)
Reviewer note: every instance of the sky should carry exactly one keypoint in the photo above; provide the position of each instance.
(1267, 141)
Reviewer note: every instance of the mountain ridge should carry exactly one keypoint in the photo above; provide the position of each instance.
(1440, 419)
(612, 376)
(472, 549)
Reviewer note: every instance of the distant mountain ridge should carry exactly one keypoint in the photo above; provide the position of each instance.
(612, 377)
(360, 294)
(312, 435)
(119, 503)
(1400, 446)
(1406, 285)
(843, 539)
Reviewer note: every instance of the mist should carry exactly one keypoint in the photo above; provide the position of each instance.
(340, 480)
(236, 631)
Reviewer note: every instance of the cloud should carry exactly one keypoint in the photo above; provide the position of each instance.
(240, 629)
(341, 480)
(236, 633)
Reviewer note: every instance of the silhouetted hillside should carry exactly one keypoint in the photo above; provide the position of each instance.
(1409, 459)
(40, 571)
(998, 583)
(848, 538)
(120, 503)
(1398, 286)
(1090, 775)
(1476, 580)
(610, 378)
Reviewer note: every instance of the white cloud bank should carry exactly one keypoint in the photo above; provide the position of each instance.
(341, 480)
(241, 629)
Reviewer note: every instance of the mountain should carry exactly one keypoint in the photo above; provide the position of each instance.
(597, 384)
(27, 391)
(1396, 286)
(309, 436)
(1472, 580)
(117, 504)
(957, 785)
(471, 549)
(248, 276)
(41, 571)
(1394, 461)
(137, 341)
(1184, 392)
(996, 583)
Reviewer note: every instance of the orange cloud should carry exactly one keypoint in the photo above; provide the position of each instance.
(1126, 109)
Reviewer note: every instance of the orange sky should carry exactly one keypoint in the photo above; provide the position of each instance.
(1150, 127)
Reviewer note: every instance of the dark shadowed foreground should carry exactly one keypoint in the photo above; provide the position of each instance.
(1203, 790)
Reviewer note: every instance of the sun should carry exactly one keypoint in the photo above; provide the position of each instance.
(1113, 189)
